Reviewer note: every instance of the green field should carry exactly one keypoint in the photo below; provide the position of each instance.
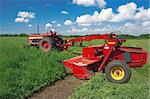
(24, 69)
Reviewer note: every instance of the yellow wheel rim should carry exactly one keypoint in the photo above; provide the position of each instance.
(117, 73)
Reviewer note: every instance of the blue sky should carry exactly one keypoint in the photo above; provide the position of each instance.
(75, 16)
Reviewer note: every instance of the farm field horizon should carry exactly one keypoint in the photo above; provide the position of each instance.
(75, 49)
(25, 69)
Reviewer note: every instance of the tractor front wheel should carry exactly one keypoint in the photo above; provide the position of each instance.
(45, 44)
(118, 72)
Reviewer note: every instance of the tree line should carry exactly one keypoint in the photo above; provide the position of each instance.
(142, 36)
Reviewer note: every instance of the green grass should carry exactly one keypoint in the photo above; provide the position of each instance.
(137, 88)
(25, 69)
(100, 88)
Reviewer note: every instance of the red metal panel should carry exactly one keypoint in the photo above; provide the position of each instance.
(88, 38)
(107, 53)
(88, 52)
(92, 52)
(81, 66)
(138, 55)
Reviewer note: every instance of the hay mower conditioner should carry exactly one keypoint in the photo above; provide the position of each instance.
(111, 58)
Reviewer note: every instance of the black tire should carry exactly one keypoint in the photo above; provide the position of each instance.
(58, 42)
(124, 68)
(48, 40)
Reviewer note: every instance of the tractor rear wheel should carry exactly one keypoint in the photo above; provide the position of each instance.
(118, 72)
(45, 44)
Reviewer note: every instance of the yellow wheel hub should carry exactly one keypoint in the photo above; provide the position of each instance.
(117, 73)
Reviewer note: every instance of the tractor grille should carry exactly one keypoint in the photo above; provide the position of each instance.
(36, 40)
(36, 45)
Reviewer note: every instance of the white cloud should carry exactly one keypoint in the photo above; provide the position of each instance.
(104, 15)
(21, 20)
(29, 25)
(93, 30)
(24, 17)
(128, 19)
(48, 25)
(64, 12)
(54, 21)
(146, 23)
(131, 12)
(24, 14)
(53, 29)
(99, 23)
(58, 25)
(74, 30)
(84, 2)
(68, 22)
(126, 28)
(143, 14)
(125, 12)
(133, 28)
(129, 24)
(85, 24)
(99, 3)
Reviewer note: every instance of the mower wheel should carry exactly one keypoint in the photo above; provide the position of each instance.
(45, 44)
(118, 72)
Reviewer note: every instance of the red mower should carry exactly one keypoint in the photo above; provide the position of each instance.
(110, 58)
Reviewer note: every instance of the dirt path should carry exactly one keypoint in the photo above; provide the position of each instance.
(60, 90)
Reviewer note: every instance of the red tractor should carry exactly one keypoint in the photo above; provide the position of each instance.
(111, 58)
(46, 41)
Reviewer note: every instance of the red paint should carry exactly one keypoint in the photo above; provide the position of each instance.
(45, 45)
(95, 58)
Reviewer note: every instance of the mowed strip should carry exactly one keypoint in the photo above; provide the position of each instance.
(99, 87)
